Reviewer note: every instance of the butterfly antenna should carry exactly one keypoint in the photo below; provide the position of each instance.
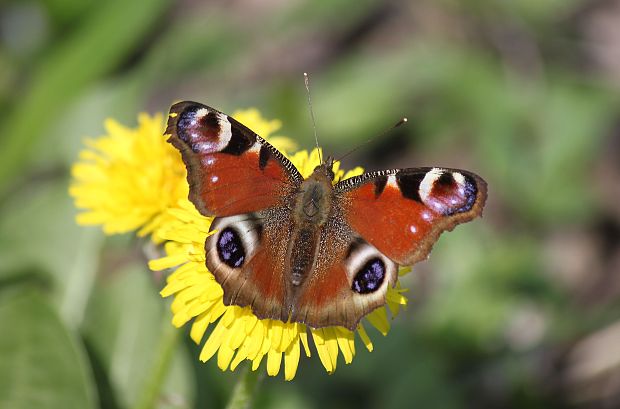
(316, 138)
(396, 125)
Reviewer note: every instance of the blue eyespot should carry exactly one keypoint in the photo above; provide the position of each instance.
(230, 248)
(370, 277)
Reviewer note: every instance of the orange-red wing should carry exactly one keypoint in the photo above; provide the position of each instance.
(230, 169)
(403, 212)
(340, 291)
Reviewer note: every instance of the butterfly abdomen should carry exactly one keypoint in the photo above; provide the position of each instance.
(302, 254)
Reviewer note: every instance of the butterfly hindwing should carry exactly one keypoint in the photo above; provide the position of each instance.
(350, 280)
(230, 169)
(403, 212)
(246, 255)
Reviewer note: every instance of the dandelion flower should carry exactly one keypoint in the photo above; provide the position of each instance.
(132, 179)
(237, 334)
(127, 179)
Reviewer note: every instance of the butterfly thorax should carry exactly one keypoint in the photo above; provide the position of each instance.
(311, 210)
(313, 200)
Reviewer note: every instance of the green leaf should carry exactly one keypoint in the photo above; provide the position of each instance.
(128, 331)
(41, 236)
(106, 37)
(41, 364)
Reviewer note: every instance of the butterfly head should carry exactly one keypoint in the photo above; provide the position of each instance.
(325, 169)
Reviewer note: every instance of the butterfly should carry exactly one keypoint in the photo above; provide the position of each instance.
(308, 250)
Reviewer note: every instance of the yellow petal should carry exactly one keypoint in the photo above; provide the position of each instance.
(256, 361)
(257, 338)
(213, 343)
(331, 343)
(378, 318)
(163, 263)
(303, 336)
(224, 356)
(395, 300)
(237, 334)
(274, 361)
(325, 349)
(353, 172)
(276, 335)
(291, 360)
(283, 144)
(346, 343)
(198, 328)
(364, 336)
(216, 311)
(242, 354)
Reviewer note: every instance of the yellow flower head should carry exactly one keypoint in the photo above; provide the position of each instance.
(127, 179)
(236, 333)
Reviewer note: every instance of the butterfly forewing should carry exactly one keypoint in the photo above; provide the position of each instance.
(230, 169)
(403, 212)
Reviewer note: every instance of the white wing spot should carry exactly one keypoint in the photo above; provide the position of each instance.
(225, 131)
(459, 178)
(255, 148)
(201, 113)
(391, 181)
(426, 186)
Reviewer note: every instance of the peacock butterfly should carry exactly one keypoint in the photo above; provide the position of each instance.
(308, 250)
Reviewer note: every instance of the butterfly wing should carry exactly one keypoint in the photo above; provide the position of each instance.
(246, 254)
(351, 279)
(382, 220)
(247, 184)
(403, 212)
(230, 169)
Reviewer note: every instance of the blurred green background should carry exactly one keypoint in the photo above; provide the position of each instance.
(519, 309)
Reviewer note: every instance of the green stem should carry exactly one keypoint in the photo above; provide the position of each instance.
(152, 388)
(245, 389)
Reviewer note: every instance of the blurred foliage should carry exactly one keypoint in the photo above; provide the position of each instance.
(517, 310)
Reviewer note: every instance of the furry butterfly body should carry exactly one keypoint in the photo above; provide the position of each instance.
(308, 250)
